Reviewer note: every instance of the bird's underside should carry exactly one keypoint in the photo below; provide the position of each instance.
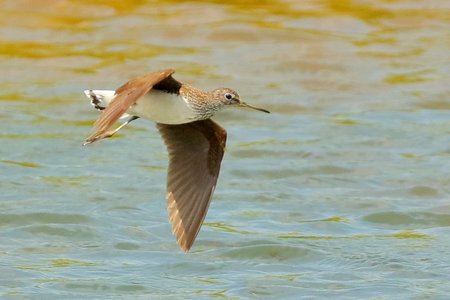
(195, 154)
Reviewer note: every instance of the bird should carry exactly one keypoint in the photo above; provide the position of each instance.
(195, 143)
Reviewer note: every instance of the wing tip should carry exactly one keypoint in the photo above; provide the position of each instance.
(185, 245)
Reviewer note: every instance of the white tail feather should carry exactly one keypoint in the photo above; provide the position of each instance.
(101, 98)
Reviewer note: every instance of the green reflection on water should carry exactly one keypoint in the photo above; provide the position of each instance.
(405, 234)
(25, 164)
(225, 227)
(42, 217)
(64, 262)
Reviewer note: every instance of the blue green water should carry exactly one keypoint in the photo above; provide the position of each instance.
(343, 191)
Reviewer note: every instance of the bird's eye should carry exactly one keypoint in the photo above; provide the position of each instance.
(228, 96)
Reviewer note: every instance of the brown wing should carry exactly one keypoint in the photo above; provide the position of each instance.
(195, 153)
(126, 96)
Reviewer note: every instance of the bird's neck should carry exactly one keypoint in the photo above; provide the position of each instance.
(202, 103)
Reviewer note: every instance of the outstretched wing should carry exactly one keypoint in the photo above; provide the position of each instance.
(195, 153)
(124, 98)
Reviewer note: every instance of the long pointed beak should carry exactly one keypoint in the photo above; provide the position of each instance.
(243, 104)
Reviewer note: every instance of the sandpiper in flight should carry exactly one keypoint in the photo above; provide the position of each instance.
(195, 143)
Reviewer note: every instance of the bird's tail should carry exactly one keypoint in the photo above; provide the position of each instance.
(100, 98)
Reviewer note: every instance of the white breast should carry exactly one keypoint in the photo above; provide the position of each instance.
(163, 107)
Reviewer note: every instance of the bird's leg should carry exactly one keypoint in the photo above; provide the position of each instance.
(110, 133)
(113, 132)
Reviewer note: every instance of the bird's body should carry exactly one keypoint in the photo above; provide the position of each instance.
(165, 108)
(195, 143)
(157, 106)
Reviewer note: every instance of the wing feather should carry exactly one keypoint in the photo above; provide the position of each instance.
(195, 153)
(125, 97)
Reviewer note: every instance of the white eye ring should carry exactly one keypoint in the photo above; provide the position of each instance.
(228, 96)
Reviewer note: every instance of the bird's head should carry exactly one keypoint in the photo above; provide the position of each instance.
(228, 97)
